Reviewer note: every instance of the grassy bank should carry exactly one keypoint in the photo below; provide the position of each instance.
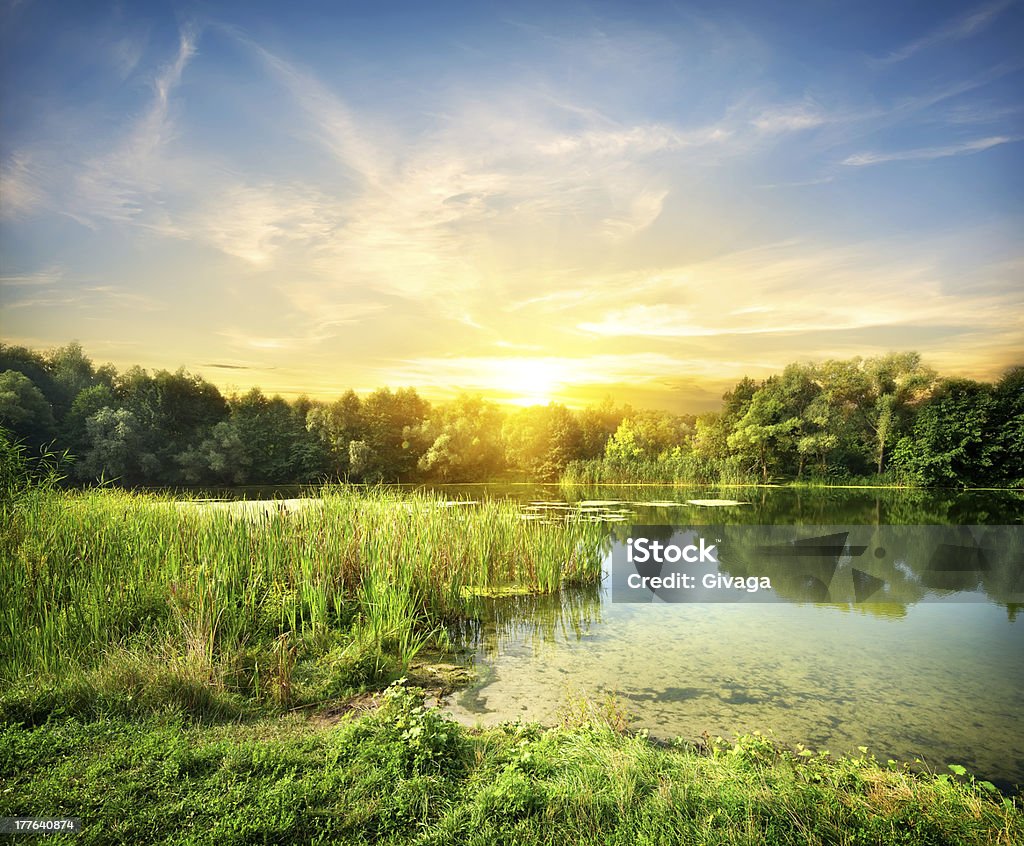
(404, 774)
(144, 599)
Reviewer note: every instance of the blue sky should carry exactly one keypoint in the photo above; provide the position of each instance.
(534, 201)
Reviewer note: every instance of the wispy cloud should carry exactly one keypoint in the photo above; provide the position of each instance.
(843, 289)
(334, 124)
(220, 366)
(642, 139)
(792, 118)
(966, 148)
(120, 185)
(47, 277)
(964, 26)
(82, 298)
(22, 189)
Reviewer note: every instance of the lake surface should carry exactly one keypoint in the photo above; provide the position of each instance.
(939, 679)
(938, 676)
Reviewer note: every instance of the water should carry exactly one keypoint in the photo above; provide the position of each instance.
(939, 681)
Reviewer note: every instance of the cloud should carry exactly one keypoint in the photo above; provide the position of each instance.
(334, 124)
(47, 277)
(252, 222)
(966, 148)
(126, 53)
(642, 139)
(220, 366)
(790, 119)
(748, 295)
(799, 183)
(21, 185)
(966, 25)
(45, 292)
(121, 185)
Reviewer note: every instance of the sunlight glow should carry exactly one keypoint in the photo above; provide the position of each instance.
(527, 381)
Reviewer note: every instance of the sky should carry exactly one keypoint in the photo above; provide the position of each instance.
(533, 201)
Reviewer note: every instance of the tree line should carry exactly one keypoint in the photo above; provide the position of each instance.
(888, 418)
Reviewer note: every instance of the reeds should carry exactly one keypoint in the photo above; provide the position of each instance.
(100, 572)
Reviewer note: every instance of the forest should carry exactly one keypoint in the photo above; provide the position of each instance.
(883, 420)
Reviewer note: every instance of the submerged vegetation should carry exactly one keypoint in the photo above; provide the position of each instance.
(884, 420)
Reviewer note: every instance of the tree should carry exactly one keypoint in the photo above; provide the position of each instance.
(337, 426)
(769, 431)
(884, 391)
(72, 370)
(597, 425)
(542, 440)
(24, 410)
(949, 444)
(33, 365)
(465, 441)
(819, 432)
(392, 423)
(711, 431)
(1006, 428)
(117, 448)
(86, 404)
(222, 457)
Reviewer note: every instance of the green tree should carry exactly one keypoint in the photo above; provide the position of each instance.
(223, 457)
(73, 370)
(33, 365)
(337, 425)
(1007, 428)
(465, 441)
(711, 431)
(819, 432)
(597, 425)
(118, 448)
(768, 433)
(885, 391)
(86, 404)
(393, 422)
(24, 410)
(542, 440)
(949, 444)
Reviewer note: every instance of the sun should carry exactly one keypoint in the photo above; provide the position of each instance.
(526, 381)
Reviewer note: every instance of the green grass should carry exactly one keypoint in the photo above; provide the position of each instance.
(130, 598)
(405, 774)
(153, 657)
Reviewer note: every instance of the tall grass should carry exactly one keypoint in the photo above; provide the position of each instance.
(209, 590)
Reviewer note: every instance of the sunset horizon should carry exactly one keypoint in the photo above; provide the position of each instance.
(529, 204)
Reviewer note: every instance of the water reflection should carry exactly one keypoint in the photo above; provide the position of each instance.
(874, 664)
(536, 620)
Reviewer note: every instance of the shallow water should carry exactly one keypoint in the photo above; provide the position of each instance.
(939, 680)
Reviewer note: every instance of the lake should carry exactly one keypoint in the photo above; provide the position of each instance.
(929, 675)
(941, 679)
